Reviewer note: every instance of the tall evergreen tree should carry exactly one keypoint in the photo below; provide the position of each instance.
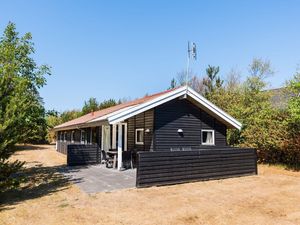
(107, 103)
(22, 115)
(90, 105)
(212, 81)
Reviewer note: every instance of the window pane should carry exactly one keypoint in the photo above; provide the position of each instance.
(207, 137)
(139, 136)
(82, 136)
(94, 132)
(204, 137)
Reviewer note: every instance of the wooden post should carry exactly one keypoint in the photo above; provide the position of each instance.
(119, 146)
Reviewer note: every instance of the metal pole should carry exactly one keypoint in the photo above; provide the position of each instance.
(188, 65)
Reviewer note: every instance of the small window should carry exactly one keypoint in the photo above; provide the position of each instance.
(139, 136)
(65, 137)
(208, 137)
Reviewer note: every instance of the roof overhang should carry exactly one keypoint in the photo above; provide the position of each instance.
(146, 106)
(182, 92)
(82, 125)
(198, 100)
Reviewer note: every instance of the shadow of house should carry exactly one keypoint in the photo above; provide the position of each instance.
(37, 182)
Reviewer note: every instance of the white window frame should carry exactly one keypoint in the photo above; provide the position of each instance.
(136, 131)
(213, 136)
(72, 136)
(65, 136)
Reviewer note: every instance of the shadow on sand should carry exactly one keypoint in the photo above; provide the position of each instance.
(39, 181)
(25, 147)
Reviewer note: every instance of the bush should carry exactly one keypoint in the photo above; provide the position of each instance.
(291, 152)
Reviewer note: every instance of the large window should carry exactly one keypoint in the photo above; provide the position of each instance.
(207, 137)
(139, 136)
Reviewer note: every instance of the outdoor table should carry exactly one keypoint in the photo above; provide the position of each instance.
(114, 153)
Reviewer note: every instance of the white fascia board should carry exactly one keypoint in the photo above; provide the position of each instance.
(147, 105)
(213, 108)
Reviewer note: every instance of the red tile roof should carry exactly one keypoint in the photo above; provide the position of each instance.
(103, 112)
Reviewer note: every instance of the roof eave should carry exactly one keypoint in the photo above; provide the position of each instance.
(82, 125)
(228, 120)
(146, 106)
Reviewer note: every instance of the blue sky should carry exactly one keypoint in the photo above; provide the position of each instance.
(115, 49)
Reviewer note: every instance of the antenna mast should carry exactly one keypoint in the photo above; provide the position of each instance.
(192, 53)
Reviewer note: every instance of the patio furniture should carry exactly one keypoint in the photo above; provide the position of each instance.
(106, 159)
(114, 154)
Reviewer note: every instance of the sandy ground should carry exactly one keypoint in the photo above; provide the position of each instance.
(272, 197)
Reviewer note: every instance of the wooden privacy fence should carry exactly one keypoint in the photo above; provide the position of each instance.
(173, 167)
(62, 147)
(80, 154)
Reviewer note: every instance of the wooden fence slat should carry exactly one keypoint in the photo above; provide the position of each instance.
(79, 154)
(162, 168)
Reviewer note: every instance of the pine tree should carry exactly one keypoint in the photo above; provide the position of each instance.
(90, 106)
(22, 115)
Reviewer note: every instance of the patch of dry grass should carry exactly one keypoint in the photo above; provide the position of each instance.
(272, 197)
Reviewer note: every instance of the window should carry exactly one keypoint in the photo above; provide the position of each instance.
(65, 137)
(91, 136)
(208, 137)
(72, 136)
(83, 139)
(139, 136)
(94, 134)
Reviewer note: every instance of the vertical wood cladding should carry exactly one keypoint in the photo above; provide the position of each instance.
(144, 121)
(148, 136)
(130, 133)
(182, 114)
